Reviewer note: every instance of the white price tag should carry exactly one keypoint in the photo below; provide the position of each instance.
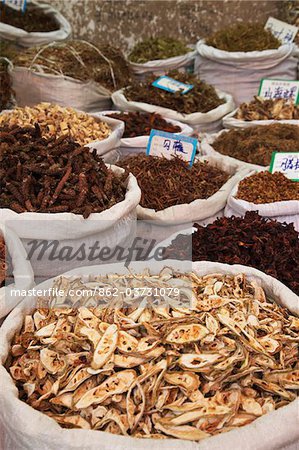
(283, 31)
(170, 85)
(287, 163)
(168, 144)
(287, 89)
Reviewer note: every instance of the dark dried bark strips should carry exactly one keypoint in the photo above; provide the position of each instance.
(181, 184)
(256, 144)
(141, 124)
(49, 176)
(265, 244)
(201, 98)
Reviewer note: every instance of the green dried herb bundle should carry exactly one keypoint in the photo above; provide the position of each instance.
(81, 60)
(266, 187)
(32, 20)
(201, 98)
(256, 144)
(157, 48)
(181, 184)
(244, 37)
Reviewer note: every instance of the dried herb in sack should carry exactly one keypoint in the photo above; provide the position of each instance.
(57, 121)
(81, 60)
(201, 98)
(54, 175)
(31, 20)
(265, 244)
(243, 37)
(272, 109)
(192, 372)
(181, 184)
(157, 48)
(256, 144)
(141, 124)
(266, 187)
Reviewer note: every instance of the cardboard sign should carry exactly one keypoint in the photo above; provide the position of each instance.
(272, 89)
(168, 144)
(287, 163)
(283, 31)
(170, 85)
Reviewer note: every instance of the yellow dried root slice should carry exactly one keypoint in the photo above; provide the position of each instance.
(116, 384)
(52, 361)
(126, 342)
(182, 432)
(105, 347)
(289, 379)
(186, 333)
(187, 380)
(73, 421)
(197, 362)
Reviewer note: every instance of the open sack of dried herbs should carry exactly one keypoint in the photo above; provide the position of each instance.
(252, 240)
(252, 147)
(186, 193)
(92, 130)
(61, 181)
(75, 73)
(271, 194)
(138, 126)
(15, 270)
(214, 361)
(202, 107)
(39, 24)
(6, 91)
(236, 58)
(159, 55)
(262, 111)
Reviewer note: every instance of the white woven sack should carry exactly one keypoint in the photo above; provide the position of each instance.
(240, 73)
(207, 149)
(25, 39)
(31, 225)
(160, 67)
(285, 211)
(230, 121)
(22, 271)
(210, 121)
(33, 87)
(138, 144)
(24, 428)
(201, 209)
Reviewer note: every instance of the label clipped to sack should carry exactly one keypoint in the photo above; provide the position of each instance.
(170, 85)
(287, 163)
(283, 31)
(19, 5)
(272, 89)
(168, 144)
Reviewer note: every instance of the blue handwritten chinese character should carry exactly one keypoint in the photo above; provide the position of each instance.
(178, 147)
(278, 93)
(268, 93)
(290, 164)
(166, 144)
(288, 37)
(292, 92)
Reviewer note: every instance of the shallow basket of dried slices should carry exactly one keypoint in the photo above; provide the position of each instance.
(262, 111)
(203, 353)
(15, 270)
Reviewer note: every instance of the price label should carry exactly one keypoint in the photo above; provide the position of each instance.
(287, 163)
(168, 144)
(170, 85)
(283, 31)
(287, 89)
(19, 5)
